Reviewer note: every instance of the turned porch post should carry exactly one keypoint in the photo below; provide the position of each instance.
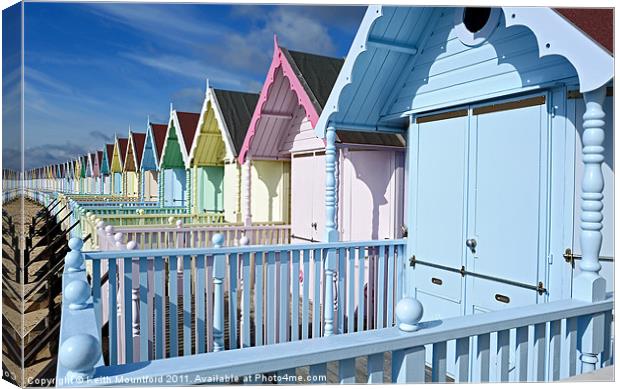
(331, 234)
(246, 183)
(589, 285)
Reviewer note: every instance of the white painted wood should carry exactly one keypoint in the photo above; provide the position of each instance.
(346, 371)
(408, 365)
(375, 368)
(439, 362)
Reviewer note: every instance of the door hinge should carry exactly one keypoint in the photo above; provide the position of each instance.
(550, 259)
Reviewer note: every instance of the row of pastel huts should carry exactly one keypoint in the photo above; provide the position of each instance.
(509, 252)
(247, 159)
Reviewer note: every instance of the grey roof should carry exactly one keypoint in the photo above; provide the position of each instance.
(371, 138)
(237, 109)
(317, 74)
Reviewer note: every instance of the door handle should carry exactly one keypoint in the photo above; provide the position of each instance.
(314, 225)
(471, 243)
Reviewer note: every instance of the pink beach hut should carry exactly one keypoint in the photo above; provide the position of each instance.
(282, 155)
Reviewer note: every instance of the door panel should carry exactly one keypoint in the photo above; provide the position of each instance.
(507, 208)
(301, 197)
(318, 198)
(479, 174)
(506, 193)
(438, 215)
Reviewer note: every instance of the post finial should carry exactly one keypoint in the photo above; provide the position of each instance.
(409, 312)
(79, 354)
(76, 293)
(207, 86)
(171, 107)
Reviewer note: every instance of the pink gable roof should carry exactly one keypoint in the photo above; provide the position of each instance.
(308, 102)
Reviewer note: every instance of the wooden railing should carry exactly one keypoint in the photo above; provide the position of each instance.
(179, 235)
(238, 297)
(484, 351)
(266, 326)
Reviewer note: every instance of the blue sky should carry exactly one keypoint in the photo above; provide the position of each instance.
(92, 70)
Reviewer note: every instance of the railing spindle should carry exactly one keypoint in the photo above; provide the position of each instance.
(173, 308)
(521, 354)
(144, 332)
(538, 373)
(461, 373)
(360, 288)
(232, 300)
(112, 312)
(482, 358)
(159, 279)
(200, 304)
(555, 339)
(283, 297)
(375, 368)
(258, 299)
(305, 305)
(187, 305)
(295, 297)
(439, 362)
(270, 297)
(245, 310)
(503, 355)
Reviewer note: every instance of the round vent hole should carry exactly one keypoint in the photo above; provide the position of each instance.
(476, 18)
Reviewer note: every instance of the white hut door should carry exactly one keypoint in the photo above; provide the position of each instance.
(302, 193)
(507, 206)
(479, 203)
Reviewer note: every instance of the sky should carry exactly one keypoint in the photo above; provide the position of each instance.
(93, 70)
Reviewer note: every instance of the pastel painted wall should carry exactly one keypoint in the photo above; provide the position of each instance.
(232, 192)
(132, 184)
(371, 194)
(117, 184)
(270, 191)
(174, 187)
(151, 185)
(209, 195)
(107, 184)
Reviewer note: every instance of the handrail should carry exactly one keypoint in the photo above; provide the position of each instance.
(174, 252)
(285, 356)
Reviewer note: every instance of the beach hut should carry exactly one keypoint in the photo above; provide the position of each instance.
(224, 120)
(131, 168)
(175, 180)
(281, 141)
(89, 173)
(79, 180)
(106, 169)
(100, 172)
(507, 113)
(95, 173)
(149, 166)
(116, 166)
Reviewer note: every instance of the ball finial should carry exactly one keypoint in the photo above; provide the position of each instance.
(118, 236)
(100, 223)
(171, 220)
(244, 241)
(109, 229)
(76, 294)
(89, 214)
(409, 312)
(79, 354)
(179, 223)
(218, 240)
(76, 244)
(73, 262)
(131, 245)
